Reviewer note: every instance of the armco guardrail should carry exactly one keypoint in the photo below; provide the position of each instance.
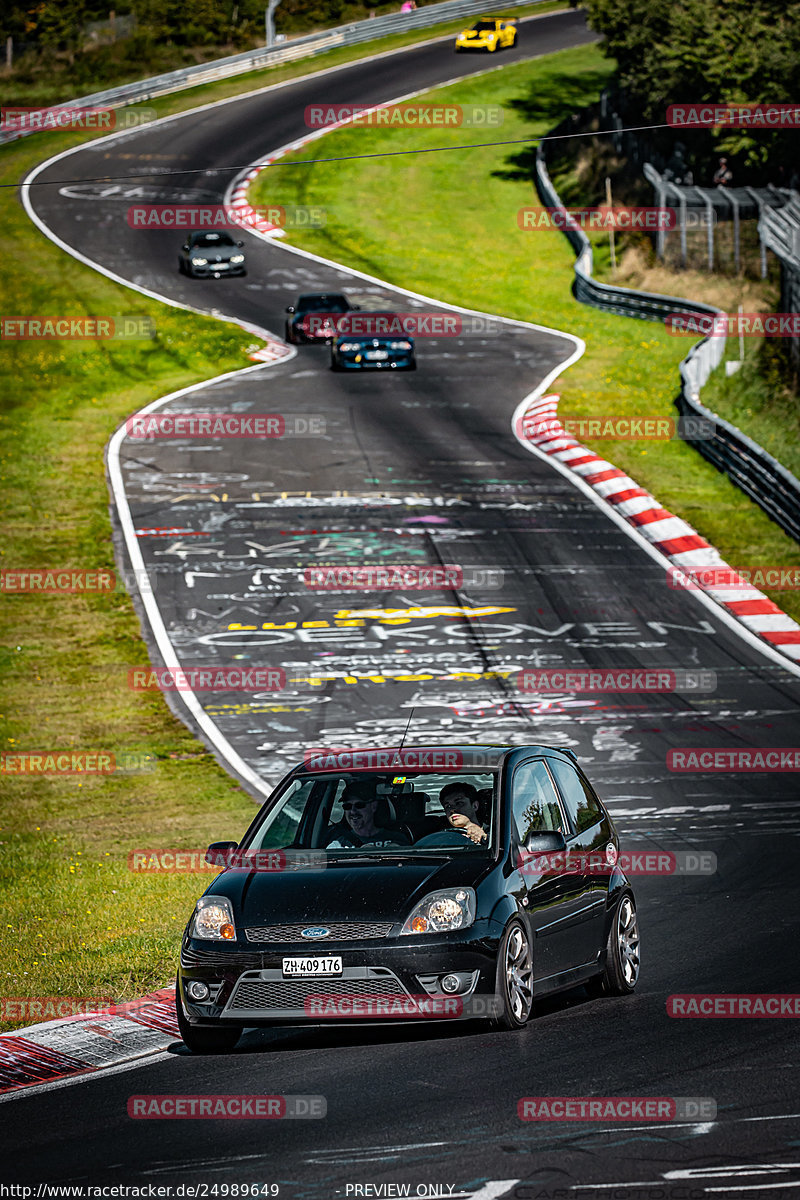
(302, 47)
(749, 465)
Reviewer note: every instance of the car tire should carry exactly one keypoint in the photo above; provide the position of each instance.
(181, 266)
(204, 1041)
(514, 979)
(621, 971)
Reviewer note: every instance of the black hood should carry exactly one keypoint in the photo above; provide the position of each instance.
(345, 890)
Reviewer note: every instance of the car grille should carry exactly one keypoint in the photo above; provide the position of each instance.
(341, 932)
(234, 960)
(291, 994)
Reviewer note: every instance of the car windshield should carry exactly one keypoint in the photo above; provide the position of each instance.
(213, 239)
(322, 304)
(484, 26)
(362, 812)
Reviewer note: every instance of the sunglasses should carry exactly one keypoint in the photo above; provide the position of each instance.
(348, 804)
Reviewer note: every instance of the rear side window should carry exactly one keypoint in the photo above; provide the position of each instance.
(579, 800)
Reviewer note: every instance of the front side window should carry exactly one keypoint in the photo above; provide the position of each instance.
(534, 803)
(579, 799)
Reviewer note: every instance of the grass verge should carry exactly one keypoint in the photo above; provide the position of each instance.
(445, 224)
(76, 921)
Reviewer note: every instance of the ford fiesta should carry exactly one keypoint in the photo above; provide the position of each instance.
(425, 882)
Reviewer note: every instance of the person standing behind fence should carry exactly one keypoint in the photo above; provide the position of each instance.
(723, 174)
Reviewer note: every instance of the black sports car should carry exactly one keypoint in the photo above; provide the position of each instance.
(308, 318)
(437, 882)
(207, 253)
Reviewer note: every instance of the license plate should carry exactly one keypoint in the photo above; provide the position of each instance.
(312, 966)
(372, 355)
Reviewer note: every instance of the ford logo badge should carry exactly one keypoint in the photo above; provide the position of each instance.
(315, 931)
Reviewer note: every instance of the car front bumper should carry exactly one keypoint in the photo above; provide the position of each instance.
(397, 362)
(377, 982)
(217, 269)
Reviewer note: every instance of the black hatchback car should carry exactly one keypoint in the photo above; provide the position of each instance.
(313, 317)
(428, 881)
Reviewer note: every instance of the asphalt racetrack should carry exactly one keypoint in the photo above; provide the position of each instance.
(423, 468)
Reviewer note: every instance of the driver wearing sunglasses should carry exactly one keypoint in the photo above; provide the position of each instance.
(360, 807)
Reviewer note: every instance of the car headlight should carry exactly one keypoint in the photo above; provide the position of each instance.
(199, 262)
(399, 345)
(442, 912)
(237, 258)
(213, 919)
(347, 346)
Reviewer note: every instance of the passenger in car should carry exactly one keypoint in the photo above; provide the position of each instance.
(462, 807)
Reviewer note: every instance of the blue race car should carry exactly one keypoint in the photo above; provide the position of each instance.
(372, 340)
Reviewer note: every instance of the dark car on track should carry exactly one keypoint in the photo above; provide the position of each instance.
(373, 341)
(208, 254)
(308, 317)
(431, 881)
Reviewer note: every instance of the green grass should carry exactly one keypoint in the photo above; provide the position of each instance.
(76, 921)
(425, 211)
(758, 402)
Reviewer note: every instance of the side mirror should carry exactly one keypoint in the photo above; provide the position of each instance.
(290, 308)
(185, 246)
(240, 243)
(549, 842)
(355, 308)
(218, 854)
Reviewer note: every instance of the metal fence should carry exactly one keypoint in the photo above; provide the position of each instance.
(746, 463)
(303, 47)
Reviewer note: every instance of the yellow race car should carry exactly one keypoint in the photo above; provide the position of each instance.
(488, 33)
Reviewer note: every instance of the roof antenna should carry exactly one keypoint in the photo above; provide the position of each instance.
(397, 762)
